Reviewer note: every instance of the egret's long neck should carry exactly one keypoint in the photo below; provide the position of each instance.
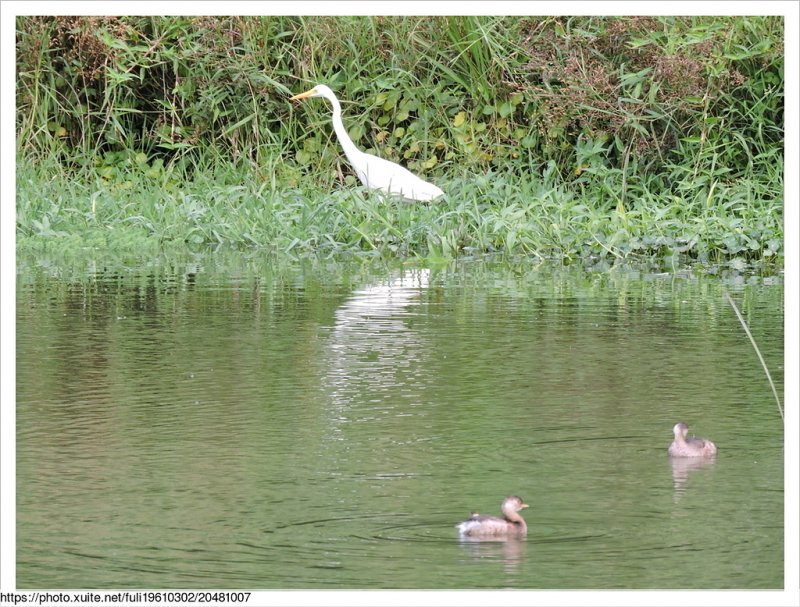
(348, 146)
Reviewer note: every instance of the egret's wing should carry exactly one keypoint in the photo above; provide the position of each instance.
(390, 177)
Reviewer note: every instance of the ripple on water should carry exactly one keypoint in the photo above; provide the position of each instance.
(328, 429)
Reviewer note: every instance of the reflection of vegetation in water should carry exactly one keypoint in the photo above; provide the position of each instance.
(555, 137)
(221, 401)
(315, 288)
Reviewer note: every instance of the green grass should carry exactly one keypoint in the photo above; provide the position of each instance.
(492, 213)
(584, 139)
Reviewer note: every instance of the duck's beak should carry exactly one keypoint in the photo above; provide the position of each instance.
(310, 93)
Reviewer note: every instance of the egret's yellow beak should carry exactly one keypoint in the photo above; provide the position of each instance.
(524, 506)
(303, 95)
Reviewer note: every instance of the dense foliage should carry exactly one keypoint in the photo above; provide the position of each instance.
(564, 137)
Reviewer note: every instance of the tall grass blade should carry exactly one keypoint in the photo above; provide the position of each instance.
(758, 352)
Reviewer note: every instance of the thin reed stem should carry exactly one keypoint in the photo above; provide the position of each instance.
(758, 352)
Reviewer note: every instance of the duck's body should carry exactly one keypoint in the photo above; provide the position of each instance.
(485, 525)
(689, 447)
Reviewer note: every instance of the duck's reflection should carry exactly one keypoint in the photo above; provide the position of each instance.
(509, 550)
(682, 467)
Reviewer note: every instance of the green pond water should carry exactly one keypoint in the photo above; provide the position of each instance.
(322, 425)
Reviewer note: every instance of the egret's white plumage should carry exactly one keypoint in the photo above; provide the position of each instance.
(375, 173)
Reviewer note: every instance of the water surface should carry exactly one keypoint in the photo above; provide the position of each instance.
(323, 425)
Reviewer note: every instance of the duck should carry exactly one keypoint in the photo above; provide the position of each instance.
(485, 525)
(689, 447)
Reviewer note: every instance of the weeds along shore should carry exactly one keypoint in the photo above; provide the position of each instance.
(565, 138)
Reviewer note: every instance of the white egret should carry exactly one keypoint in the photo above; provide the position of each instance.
(375, 173)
